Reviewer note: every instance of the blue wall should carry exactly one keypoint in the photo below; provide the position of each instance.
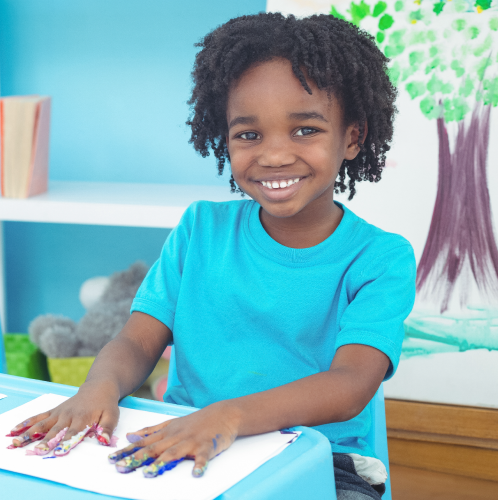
(119, 75)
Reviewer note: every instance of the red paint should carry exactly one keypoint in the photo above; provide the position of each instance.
(103, 440)
(14, 433)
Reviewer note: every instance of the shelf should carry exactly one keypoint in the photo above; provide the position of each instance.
(111, 204)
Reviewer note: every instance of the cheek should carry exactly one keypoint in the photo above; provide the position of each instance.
(240, 159)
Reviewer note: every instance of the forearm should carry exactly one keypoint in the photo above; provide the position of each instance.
(318, 399)
(124, 364)
(336, 395)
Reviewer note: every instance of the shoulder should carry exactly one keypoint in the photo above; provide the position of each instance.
(372, 239)
(209, 218)
(211, 211)
(374, 248)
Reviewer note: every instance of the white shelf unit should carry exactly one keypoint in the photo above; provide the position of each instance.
(105, 203)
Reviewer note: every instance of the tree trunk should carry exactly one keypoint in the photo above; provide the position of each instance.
(461, 243)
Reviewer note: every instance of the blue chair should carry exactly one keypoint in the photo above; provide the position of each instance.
(376, 439)
(3, 361)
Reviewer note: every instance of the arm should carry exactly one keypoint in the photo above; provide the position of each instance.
(336, 395)
(120, 368)
(339, 394)
(124, 364)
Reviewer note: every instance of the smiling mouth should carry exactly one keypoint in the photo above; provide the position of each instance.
(280, 184)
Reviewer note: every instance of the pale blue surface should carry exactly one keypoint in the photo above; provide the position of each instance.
(300, 472)
(119, 75)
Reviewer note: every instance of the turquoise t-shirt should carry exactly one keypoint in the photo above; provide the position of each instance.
(249, 314)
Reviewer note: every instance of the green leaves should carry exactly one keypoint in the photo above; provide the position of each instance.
(457, 68)
(482, 5)
(415, 89)
(396, 44)
(438, 7)
(458, 24)
(334, 12)
(385, 22)
(359, 11)
(379, 8)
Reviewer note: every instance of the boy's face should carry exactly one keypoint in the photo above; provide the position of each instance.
(279, 135)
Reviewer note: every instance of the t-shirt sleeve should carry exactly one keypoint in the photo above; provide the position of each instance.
(158, 293)
(384, 298)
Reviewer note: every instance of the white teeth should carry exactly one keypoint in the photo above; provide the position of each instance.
(279, 184)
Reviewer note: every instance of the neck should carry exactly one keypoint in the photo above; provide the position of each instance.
(305, 229)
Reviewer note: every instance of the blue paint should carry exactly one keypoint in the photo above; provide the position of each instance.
(169, 466)
(133, 438)
(215, 444)
(45, 458)
(115, 457)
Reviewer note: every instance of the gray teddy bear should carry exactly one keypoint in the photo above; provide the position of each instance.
(107, 312)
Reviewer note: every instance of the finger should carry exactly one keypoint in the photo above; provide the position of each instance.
(134, 447)
(133, 437)
(49, 443)
(72, 441)
(147, 456)
(106, 425)
(159, 467)
(166, 460)
(24, 426)
(201, 461)
(25, 439)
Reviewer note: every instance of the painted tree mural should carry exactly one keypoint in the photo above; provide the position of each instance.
(445, 55)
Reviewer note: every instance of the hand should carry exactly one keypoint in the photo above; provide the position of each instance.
(199, 436)
(93, 404)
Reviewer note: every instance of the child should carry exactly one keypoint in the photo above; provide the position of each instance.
(285, 309)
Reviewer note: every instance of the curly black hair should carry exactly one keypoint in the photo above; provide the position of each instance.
(335, 54)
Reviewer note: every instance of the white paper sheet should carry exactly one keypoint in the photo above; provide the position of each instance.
(87, 467)
(2, 396)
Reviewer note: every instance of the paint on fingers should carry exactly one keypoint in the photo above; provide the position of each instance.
(199, 471)
(65, 447)
(126, 452)
(129, 464)
(45, 448)
(159, 468)
(25, 439)
(19, 429)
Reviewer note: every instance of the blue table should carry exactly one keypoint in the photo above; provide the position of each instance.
(303, 470)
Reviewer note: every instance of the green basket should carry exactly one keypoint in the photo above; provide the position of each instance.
(24, 359)
(69, 371)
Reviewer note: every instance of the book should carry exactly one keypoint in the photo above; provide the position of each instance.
(24, 142)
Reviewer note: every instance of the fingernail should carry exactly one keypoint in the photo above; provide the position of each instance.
(129, 464)
(153, 469)
(104, 439)
(114, 457)
(133, 438)
(21, 440)
(199, 471)
(19, 429)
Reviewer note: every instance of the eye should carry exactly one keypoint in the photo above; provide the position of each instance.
(249, 136)
(306, 131)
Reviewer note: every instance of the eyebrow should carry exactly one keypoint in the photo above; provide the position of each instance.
(242, 120)
(311, 115)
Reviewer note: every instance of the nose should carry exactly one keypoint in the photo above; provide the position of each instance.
(276, 152)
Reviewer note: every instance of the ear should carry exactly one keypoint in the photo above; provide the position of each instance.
(353, 139)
